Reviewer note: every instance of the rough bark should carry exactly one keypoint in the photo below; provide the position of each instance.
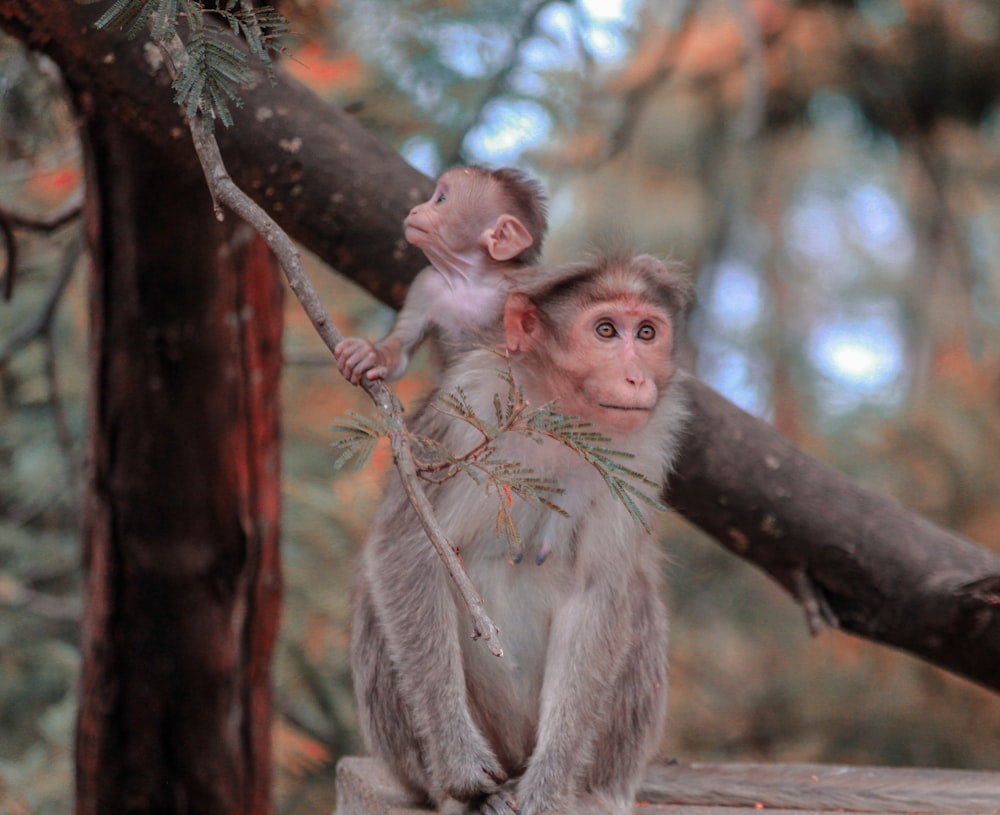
(182, 515)
(849, 555)
(844, 551)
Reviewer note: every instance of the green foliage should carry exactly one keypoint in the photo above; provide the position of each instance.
(211, 76)
(132, 16)
(214, 68)
(590, 445)
(501, 477)
(360, 436)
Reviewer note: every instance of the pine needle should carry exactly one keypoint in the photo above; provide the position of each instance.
(361, 437)
(216, 70)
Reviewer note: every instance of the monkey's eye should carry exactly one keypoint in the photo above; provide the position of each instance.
(441, 198)
(605, 329)
(646, 332)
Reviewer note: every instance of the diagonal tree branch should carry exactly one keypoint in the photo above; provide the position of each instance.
(226, 193)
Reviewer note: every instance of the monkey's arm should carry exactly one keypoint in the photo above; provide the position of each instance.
(390, 357)
(411, 325)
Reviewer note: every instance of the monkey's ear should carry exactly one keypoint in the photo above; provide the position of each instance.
(520, 322)
(507, 238)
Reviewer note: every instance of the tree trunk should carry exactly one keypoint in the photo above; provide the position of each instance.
(182, 513)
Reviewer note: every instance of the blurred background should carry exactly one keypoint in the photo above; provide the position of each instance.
(830, 173)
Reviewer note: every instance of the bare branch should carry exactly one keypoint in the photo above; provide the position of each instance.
(226, 193)
(499, 81)
(64, 434)
(9, 219)
(637, 91)
(14, 594)
(41, 323)
(751, 119)
(60, 216)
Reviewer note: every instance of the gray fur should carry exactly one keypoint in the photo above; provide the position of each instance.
(574, 710)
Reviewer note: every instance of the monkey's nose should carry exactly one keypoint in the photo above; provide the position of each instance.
(635, 376)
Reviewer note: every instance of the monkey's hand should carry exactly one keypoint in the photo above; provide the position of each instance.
(357, 357)
(535, 797)
(497, 803)
(472, 772)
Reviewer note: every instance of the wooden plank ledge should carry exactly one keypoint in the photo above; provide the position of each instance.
(365, 787)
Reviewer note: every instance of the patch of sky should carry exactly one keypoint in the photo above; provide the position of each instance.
(604, 43)
(733, 373)
(876, 224)
(832, 111)
(558, 23)
(527, 82)
(472, 51)
(812, 229)
(736, 301)
(862, 354)
(422, 153)
(607, 11)
(604, 26)
(542, 54)
(883, 12)
(846, 230)
(508, 127)
(426, 95)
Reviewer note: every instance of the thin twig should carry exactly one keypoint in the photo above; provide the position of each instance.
(63, 214)
(9, 219)
(500, 79)
(636, 98)
(14, 594)
(818, 612)
(42, 321)
(751, 119)
(226, 193)
(64, 434)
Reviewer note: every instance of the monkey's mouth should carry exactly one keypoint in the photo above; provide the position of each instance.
(626, 407)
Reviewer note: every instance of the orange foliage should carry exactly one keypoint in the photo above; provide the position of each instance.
(717, 42)
(295, 752)
(953, 363)
(314, 66)
(52, 186)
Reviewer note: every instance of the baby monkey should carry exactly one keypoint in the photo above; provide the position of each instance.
(477, 226)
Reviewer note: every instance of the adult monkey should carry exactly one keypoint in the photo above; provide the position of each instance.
(477, 226)
(567, 720)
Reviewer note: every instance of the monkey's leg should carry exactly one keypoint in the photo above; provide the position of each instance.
(632, 727)
(415, 609)
(585, 654)
(385, 721)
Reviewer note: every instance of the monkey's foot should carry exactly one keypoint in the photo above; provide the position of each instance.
(497, 803)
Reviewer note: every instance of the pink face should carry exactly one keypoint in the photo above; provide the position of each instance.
(614, 364)
(453, 218)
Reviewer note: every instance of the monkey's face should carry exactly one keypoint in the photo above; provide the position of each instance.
(451, 221)
(614, 362)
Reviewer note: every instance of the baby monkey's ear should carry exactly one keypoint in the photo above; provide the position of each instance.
(506, 239)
